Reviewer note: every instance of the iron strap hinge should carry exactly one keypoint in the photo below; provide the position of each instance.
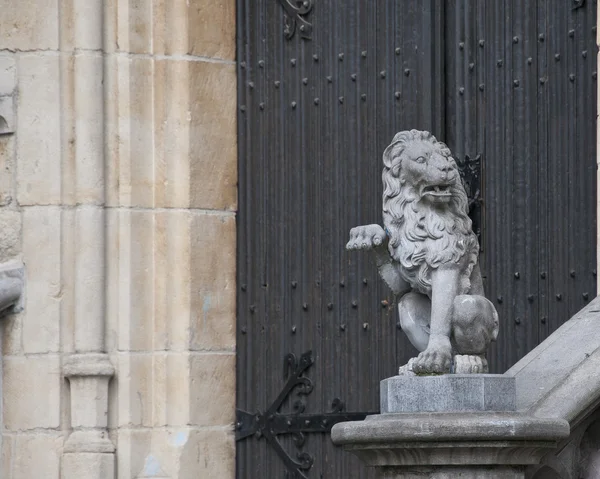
(272, 423)
(255, 424)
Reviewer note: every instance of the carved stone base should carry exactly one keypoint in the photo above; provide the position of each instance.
(450, 445)
(502, 472)
(88, 452)
(88, 465)
(450, 426)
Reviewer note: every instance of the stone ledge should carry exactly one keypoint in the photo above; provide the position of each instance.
(437, 427)
(450, 439)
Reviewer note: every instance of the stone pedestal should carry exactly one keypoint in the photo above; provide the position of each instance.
(452, 472)
(474, 433)
(88, 452)
(451, 392)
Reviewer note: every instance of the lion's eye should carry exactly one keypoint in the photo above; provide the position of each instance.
(420, 159)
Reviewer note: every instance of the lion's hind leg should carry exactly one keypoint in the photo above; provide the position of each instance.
(414, 313)
(474, 326)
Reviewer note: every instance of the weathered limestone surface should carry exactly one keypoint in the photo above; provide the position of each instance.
(35, 455)
(30, 25)
(174, 452)
(38, 129)
(118, 193)
(171, 242)
(22, 408)
(450, 445)
(40, 331)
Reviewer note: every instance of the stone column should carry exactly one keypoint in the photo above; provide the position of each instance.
(88, 452)
(452, 426)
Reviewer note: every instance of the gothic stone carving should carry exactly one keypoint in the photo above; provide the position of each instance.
(11, 287)
(428, 255)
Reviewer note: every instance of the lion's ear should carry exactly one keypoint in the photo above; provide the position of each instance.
(396, 146)
(387, 156)
(391, 154)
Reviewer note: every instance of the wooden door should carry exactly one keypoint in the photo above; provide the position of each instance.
(323, 87)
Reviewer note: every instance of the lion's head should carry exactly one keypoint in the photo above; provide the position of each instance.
(425, 209)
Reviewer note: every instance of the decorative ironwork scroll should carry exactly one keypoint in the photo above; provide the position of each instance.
(272, 423)
(295, 10)
(470, 172)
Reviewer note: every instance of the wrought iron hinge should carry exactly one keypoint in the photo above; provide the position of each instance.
(470, 172)
(295, 10)
(271, 423)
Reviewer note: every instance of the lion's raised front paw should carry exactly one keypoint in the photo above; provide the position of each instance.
(436, 359)
(366, 237)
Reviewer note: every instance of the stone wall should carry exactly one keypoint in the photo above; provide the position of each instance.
(118, 191)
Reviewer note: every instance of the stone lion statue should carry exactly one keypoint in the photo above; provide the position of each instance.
(427, 253)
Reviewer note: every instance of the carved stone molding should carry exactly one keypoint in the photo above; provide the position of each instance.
(450, 444)
(89, 375)
(7, 89)
(11, 287)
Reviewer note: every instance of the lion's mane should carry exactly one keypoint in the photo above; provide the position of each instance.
(422, 238)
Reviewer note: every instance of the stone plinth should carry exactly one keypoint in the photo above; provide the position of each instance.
(450, 392)
(462, 439)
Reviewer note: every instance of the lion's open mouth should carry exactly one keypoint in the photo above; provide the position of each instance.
(437, 190)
